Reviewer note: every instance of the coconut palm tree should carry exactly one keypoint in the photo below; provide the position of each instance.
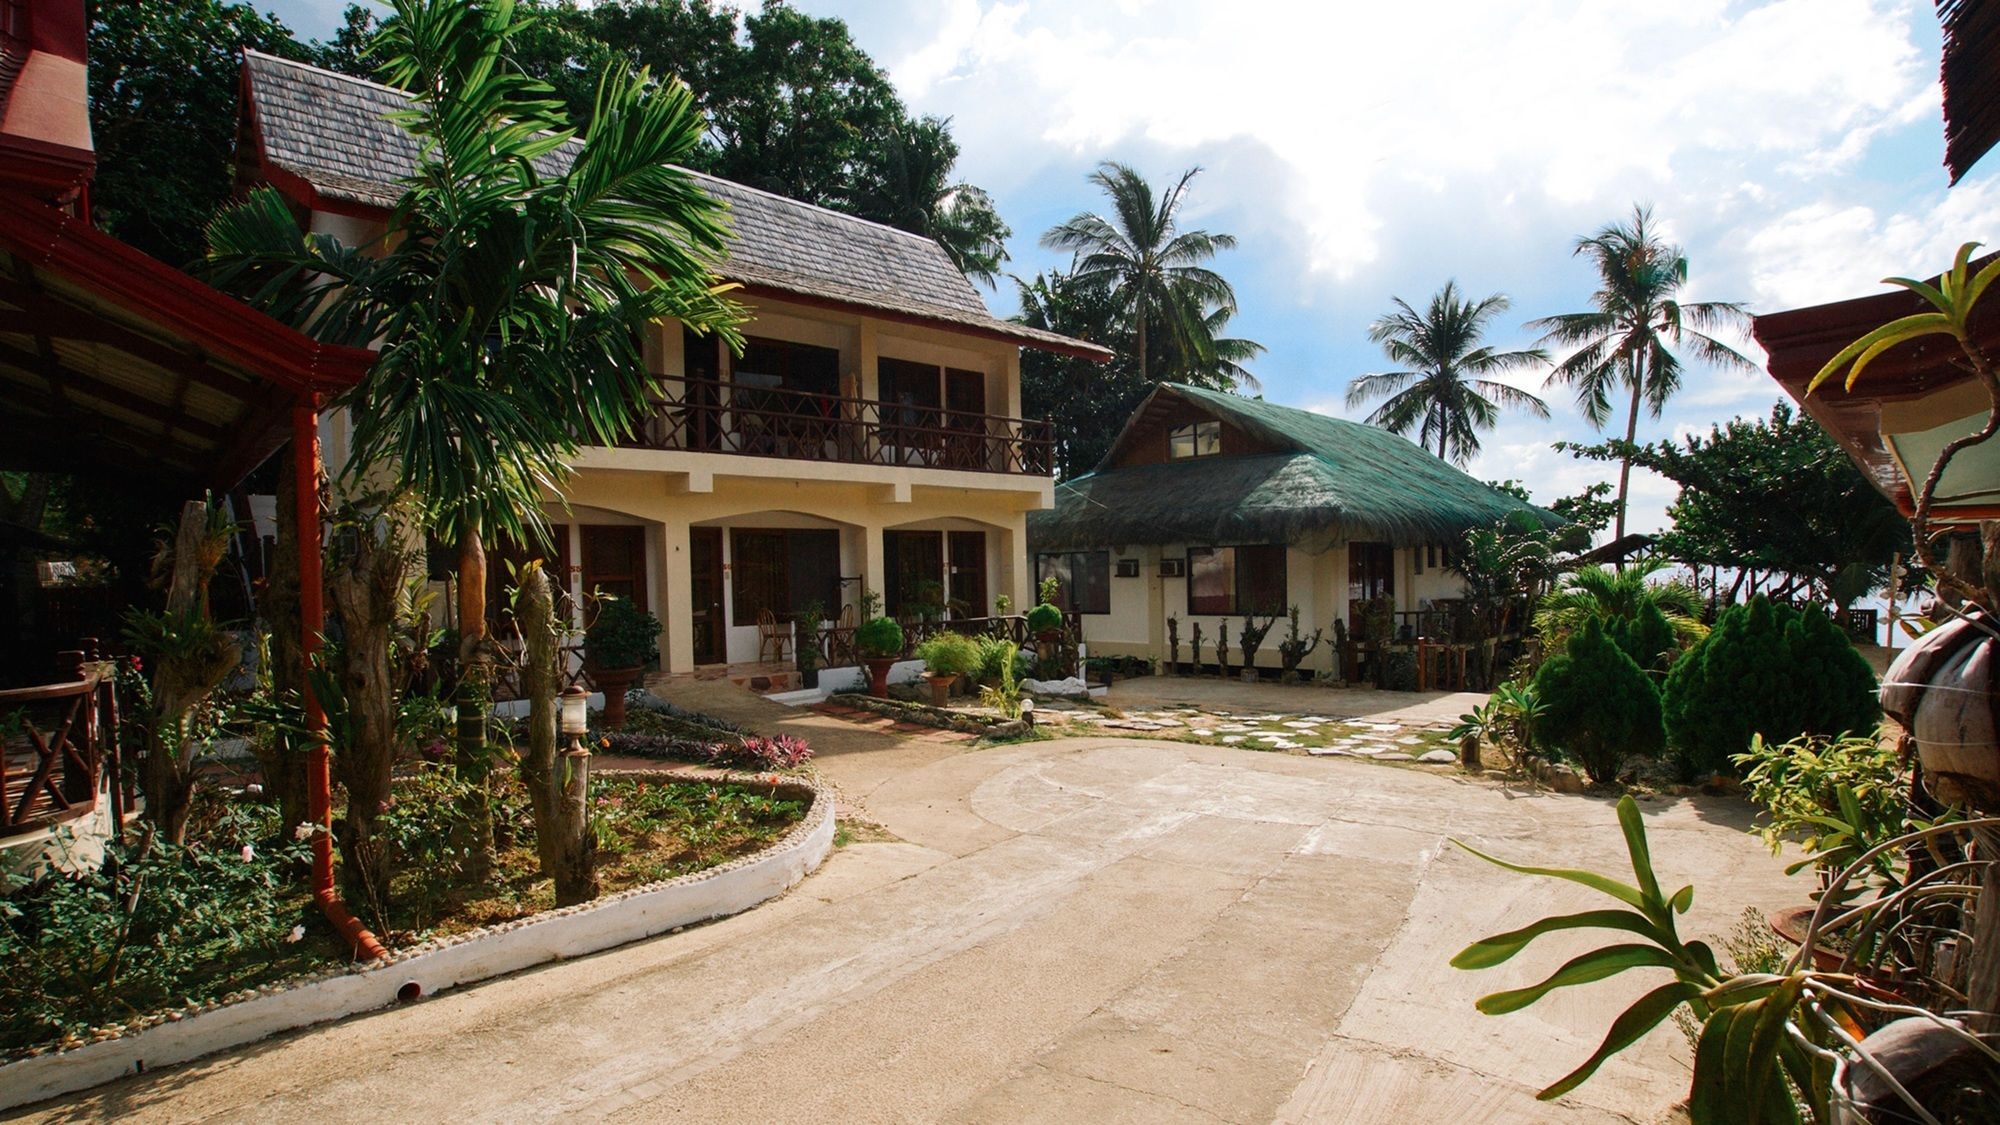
(1445, 392)
(911, 188)
(1154, 270)
(1635, 321)
(509, 292)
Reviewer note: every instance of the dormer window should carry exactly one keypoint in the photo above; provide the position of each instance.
(1195, 439)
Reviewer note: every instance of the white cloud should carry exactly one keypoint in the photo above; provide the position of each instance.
(1382, 116)
(1825, 251)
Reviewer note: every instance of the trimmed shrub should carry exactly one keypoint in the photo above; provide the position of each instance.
(879, 637)
(1044, 618)
(1770, 670)
(1646, 637)
(1599, 705)
(950, 654)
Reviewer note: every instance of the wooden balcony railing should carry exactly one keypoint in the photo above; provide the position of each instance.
(54, 740)
(708, 417)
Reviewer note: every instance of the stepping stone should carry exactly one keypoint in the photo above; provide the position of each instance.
(1232, 738)
(1200, 732)
(1301, 724)
(1411, 740)
(1438, 757)
(1392, 756)
(1329, 751)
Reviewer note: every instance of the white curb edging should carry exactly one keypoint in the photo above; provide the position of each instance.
(433, 967)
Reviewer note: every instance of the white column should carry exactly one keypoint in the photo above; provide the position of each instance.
(676, 597)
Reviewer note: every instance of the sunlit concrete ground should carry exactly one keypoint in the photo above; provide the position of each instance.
(1083, 930)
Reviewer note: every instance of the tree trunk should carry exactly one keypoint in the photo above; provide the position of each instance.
(1631, 436)
(363, 589)
(282, 763)
(475, 695)
(1139, 314)
(184, 679)
(557, 782)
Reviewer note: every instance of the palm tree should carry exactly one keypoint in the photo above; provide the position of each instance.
(1443, 392)
(912, 189)
(1617, 595)
(1151, 266)
(507, 296)
(1635, 318)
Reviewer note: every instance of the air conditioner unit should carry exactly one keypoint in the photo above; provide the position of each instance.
(1173, 568)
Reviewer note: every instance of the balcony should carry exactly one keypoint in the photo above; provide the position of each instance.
(700, 416)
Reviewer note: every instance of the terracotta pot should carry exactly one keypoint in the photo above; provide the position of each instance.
(878, 674)
(1943, 691)
(941, 687)
(614, 683)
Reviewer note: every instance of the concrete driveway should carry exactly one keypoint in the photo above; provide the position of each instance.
(1086, 930)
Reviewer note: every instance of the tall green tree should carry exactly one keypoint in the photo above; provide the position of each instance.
(1445, 392)
(163, 81)
(1156, 273)
(908, 184)
(1775, 496)
(508, 300)
(1628, 338)
(1085, 401)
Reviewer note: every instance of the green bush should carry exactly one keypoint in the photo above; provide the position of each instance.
(623, 636)
(1044, 618)
(1600, 707)
(1647, 637)
(950, 654)
(879, 637)
(1770, 670)
(996, 657)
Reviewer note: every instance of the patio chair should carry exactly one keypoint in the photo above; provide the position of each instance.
(772, 637)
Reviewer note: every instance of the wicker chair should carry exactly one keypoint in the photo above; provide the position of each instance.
(772, 637)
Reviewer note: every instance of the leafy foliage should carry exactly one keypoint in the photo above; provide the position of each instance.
(757, 752)
(156, 926)
(1004, 693)
(623, 635)
(1837, 797)
(951, 653)
(507, 302)
(163, 84)
(1044, 618)
(1599, 707)
(1756, 1042)
(1647, 637)
(1445, 391)
(1765, 669)
(1777, 496)
(1509, 719)
(879, 637)
(1608, 595)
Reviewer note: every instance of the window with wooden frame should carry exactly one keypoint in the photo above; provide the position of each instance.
(1227, 581)
(1083, 579)
(783, 569)
(1194, 439)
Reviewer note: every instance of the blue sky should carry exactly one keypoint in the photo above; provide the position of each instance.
(1363, 151)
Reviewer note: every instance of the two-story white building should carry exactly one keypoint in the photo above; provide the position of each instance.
(869, 435)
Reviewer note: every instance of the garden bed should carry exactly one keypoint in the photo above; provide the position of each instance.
(968, 720)
(226, 921)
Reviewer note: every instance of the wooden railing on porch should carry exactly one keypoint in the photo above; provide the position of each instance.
(836, 643)
(54, 741)
(712, 417)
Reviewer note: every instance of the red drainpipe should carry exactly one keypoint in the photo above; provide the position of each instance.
(312, 623)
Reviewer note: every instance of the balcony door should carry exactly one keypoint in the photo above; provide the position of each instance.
(968, 573)
(912, 400)
(965, 419)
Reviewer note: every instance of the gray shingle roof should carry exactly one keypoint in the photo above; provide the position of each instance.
(331, 130)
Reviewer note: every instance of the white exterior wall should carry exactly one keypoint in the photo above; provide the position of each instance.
(1317, 583)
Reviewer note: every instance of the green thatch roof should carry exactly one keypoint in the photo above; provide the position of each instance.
(1340, 481)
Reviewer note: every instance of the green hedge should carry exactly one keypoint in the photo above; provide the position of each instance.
(1600, 706)
(1765, 669)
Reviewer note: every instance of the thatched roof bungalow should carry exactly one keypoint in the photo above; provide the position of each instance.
(1212, 505)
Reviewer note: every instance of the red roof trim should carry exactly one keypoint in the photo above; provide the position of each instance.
(218, 323)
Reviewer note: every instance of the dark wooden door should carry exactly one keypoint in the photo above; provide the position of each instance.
(968, 573)
(913, 570)
(705, 579)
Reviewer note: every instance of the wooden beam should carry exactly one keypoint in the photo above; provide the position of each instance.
(45, 315)
(62, 377)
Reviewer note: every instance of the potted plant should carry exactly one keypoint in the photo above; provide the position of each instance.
(946, 657)
(1045, 623)
(806, 643)
(878, 641)
(616, 648)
